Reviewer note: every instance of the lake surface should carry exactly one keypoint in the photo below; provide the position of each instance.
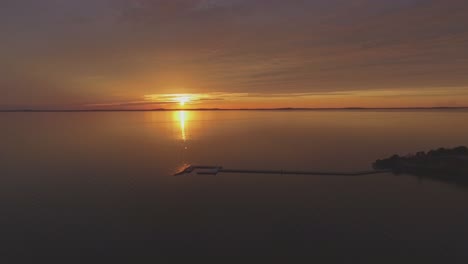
(95, 186)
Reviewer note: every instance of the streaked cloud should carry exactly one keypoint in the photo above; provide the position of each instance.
(102, 51)
(209, 4)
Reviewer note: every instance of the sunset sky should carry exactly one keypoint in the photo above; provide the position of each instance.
(146, 54)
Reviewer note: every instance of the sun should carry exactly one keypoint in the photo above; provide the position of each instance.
(174, 99)
(182, 100)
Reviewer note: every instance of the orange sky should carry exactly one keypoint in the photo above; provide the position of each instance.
(140, 54)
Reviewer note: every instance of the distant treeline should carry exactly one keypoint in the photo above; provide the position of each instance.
(442, 164)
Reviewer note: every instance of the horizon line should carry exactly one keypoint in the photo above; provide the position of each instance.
(237, 109)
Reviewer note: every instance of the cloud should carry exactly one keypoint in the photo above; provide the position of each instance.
(210, 4)
(57, 48)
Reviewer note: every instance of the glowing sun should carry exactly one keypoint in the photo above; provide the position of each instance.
(183, 100)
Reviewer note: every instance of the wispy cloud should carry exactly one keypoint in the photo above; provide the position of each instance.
(87, 51)
(211, 4)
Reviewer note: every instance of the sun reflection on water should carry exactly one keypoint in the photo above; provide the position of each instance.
(182, 117)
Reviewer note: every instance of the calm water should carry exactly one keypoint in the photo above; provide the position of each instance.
(99, 185)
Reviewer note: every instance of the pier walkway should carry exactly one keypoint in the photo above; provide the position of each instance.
(214, 170)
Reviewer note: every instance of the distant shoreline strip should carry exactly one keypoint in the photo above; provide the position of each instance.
(226, 109)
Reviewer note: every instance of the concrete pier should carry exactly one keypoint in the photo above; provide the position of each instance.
(214, 170)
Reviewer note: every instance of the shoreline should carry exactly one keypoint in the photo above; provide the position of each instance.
(231, 109)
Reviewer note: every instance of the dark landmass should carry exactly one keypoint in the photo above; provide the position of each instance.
(234, 109)
(450, 165)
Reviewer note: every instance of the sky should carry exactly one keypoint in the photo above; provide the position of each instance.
(148, 54)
